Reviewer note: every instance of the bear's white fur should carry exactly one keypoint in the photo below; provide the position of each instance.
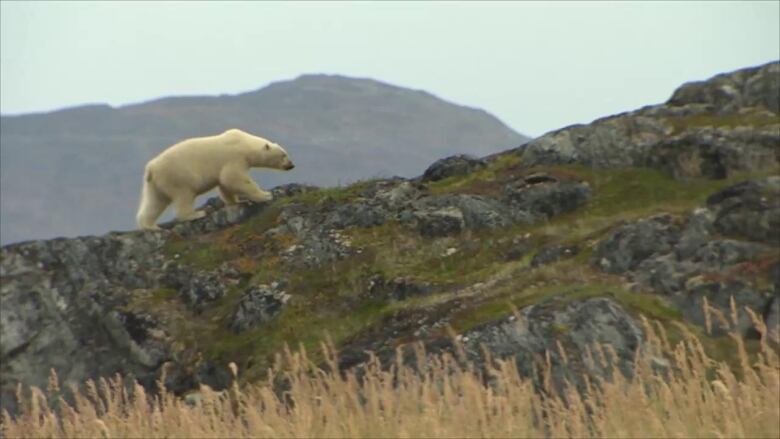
(195, 166)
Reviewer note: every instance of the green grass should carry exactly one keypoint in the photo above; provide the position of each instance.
(504, 302)
(481, 181)
(297, 325)
(332, 299)
(334, 195)
(202, 254)
(753, 118)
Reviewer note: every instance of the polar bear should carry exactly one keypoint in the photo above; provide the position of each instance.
(195, 166)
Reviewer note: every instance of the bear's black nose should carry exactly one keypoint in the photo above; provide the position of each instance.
(290, 166)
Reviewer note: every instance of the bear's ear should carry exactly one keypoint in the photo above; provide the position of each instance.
(267, 147)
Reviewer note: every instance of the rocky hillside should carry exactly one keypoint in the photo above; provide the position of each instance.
(56, 168)
(653, 213)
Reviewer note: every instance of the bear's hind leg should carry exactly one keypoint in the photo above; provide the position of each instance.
(153, 204)
(184, 210)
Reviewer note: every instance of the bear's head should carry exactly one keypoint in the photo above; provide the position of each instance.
(273, 156)
(261, 153)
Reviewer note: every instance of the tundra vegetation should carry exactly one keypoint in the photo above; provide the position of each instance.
(615, 279)
(439, 396)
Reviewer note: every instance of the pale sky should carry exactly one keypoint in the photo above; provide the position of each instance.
(536, 66)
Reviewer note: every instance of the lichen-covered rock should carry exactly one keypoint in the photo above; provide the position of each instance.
(61, 309)
(397, 196)
(719, 296)
(714, 153)
(317, 247)
(580, 326)
(446, 221)
(356, 214)
(709, 129)
(478, 212)
(629, 245)
(750, 209)
(538, 202)
(752, 87)
(452, 166)
(397, 289)
(688, 263)
(258, 304)
(554, 253)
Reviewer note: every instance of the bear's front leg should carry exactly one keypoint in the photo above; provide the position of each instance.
(240, 184)
(227, 197)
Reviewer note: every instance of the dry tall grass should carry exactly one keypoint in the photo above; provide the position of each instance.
(696, 398)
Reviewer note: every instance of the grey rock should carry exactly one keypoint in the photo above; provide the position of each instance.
(662, 137)
(398, 196)
(520, 247)
(478, 212)
(664, 274)
(357, 214)
(757, 86)
(317, 247)
(717, 255)
(714, 153)
(694, 262)
(397, 289)
(629, 245)
(217, 217)
(258, 304)
(554, 253)
(749, 209)
(61, 309)
(203, 289)
(719, 296)
(696, 233)
(534, 202)
(441, 222)
(452, 166)
(292, 189)
(579, 326)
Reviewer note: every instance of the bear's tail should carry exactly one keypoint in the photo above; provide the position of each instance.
(152, 204)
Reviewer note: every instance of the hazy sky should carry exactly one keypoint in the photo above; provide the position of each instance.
(537, 66)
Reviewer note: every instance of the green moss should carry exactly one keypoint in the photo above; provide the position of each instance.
(163, 294)
(751, 118)
(559, 328)
(503, 302)
(257, 225)
(200, 254)
(332, 300)
(334, 195)
(297, 325)
(484, 180)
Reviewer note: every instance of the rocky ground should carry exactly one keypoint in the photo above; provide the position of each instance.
(558, 248)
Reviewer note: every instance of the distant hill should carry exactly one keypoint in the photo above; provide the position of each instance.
(78, 171)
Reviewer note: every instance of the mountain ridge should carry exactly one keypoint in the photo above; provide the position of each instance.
(536, 250)
(325, 122)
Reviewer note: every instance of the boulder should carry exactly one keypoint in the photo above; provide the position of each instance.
(259, 304)
(752, 87)
(553, 253)
(626, 247)
(539, 202)
(452, 166)
(446, 221)
(749, 209)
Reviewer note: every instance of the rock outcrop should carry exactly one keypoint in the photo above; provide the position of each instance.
(688, 260)
(711, 129)
(384, 264)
